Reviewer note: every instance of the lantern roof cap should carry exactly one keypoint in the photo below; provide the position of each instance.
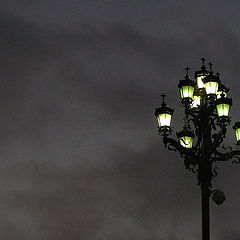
(211, 78)
(203, 70)
(163, 108)
(186, 81)
(186, 132)
(223, 88)
(223, 100)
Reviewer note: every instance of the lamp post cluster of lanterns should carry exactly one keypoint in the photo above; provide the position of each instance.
(200, 143)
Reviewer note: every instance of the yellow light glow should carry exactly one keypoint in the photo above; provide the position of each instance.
(223, 109)
(186, 141)
(164, 119)
(196, 101)
(186, 92)
(237, 132)
(211, 87)
(200, 83)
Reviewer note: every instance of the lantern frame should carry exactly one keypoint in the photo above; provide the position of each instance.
(164, 129)
(184, 136)
(222, 90)
(209, 82)
(186, 89)
(200, 75)
(224, 102)
(236, 128)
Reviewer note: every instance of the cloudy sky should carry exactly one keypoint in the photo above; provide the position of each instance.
(80, 155)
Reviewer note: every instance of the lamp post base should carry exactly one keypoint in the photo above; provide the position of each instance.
(205, 192)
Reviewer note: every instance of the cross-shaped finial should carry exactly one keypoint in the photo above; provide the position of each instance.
(203, 60)
(163, 96)
(187, 69)
(210, 65)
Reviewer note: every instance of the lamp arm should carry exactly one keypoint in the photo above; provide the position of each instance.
(194, 117)
(218, 138)
(195, 122)
(210, 110)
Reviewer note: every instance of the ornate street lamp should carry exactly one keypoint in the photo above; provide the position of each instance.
(164, 116)
(223, 105)
(207, 113)
(185, 137)
(186, 88)
(202, 73)
(211, 83)
(236, 127)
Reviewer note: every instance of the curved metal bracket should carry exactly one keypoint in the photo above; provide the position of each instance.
(174, 145)
(227, 156)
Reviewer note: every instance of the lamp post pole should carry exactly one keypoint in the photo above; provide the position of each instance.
(207, 113)
(205, 212)
(204, 168)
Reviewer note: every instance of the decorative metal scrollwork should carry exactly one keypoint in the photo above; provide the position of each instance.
(214, 171)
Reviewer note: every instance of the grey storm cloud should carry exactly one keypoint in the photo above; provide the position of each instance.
(80, 156)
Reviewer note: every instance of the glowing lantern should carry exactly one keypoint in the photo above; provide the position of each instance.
(186, 88)
(164, 116)
(199, 79)
(211, 83)
(201, 74)
(223, 106)
(236, 127)
(185, 137)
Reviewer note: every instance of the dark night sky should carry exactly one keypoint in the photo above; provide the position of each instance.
(80, 155)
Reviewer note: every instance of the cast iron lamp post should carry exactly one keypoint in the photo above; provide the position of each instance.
(206, 112)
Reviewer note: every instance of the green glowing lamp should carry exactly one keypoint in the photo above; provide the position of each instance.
(164, 115)
(186, 88)
(185, 137)
(223, 106)
(236, 127)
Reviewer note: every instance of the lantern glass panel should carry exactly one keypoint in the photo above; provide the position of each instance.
(223, 109)
(211, 87)
(164, 119)
(237, 132)
(186, 141)
(186, 92)
(200, 83)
